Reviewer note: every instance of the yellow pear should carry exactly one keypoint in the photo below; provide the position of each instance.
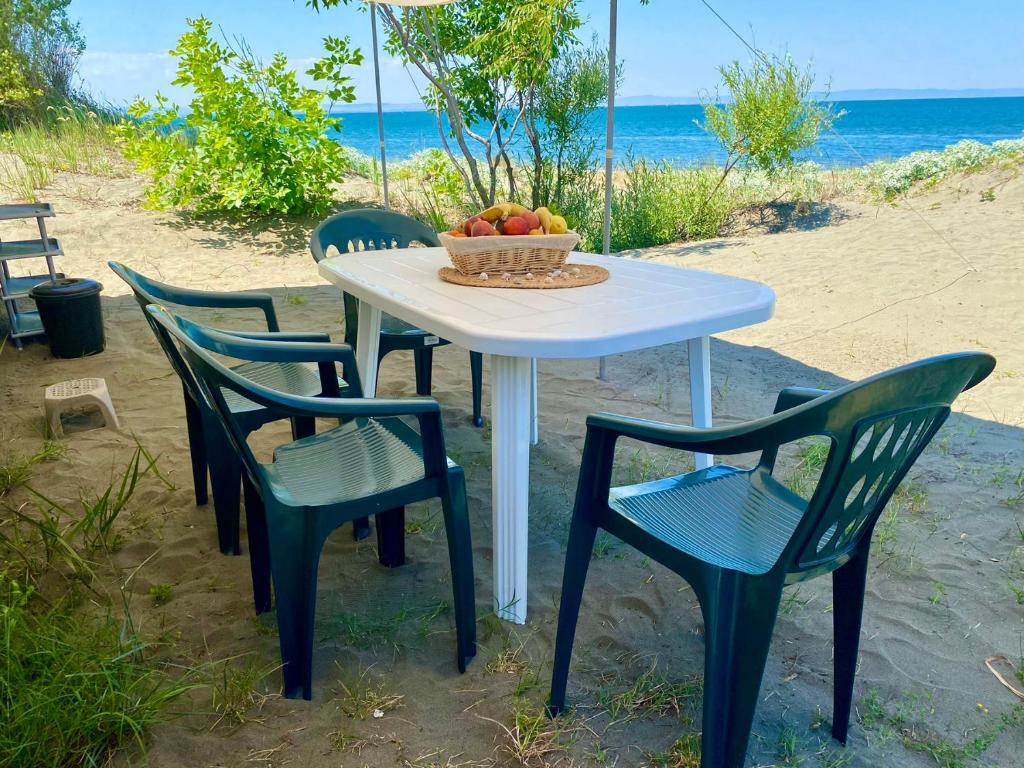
(557, 226)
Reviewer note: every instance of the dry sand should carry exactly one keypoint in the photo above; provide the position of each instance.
(860, 288)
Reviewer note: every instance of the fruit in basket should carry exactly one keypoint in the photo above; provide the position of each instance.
(515, 225)
(481, 228)
(495, 212)
(557, 226)
(544, 217)
(468, 226)
(512, 219)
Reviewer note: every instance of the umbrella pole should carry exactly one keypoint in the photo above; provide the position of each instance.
(380, 107)
(609, 142)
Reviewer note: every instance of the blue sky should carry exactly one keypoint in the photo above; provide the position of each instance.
(669, 48)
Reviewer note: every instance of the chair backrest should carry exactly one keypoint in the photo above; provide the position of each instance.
(369, 229)
(148, 292)
(366, 229)
(212, 376)
(877, 427)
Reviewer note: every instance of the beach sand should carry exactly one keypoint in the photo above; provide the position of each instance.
(860, 288)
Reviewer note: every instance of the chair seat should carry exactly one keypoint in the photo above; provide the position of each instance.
(293, 378)
(728, 517)
(361, 458)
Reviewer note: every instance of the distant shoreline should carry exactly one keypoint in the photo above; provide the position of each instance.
(625, 102)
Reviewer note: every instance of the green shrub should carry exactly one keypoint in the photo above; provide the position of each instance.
(652, 204)
(644, 208)
(704, 206)
(71, 689)
(769, 115)
(253, 139)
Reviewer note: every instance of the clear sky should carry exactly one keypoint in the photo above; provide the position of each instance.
(669, 48)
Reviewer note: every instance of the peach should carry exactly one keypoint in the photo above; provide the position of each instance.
(516, 225)
(468, 226)
(481, 228)
(531, 218)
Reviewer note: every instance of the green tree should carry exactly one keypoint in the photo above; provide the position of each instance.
(767, 118)
(252, 140)
(769, 114)
(555, 121)
(39, 51)
(483, 60)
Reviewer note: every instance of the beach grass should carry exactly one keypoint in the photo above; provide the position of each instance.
(71, 139)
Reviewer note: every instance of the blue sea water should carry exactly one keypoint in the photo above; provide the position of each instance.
(870, 130)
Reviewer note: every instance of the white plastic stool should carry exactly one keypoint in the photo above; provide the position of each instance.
(77, 393)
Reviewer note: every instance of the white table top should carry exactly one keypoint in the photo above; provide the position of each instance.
(642, 304)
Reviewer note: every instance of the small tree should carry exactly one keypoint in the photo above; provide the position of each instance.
(481, 60)
(253, 139)
(768, 117)
(39, 51)
(555, 121)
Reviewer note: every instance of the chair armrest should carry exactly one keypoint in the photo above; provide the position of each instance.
(791, 397)
(260, 349)
(307, 336)
(740, 438)
(763, 435)
(187, 297)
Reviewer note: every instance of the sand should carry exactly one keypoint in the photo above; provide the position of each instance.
(860, 288)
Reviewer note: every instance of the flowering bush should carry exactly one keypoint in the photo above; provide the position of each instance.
(895, 177)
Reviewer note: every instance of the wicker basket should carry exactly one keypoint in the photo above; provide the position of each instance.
(515, 254)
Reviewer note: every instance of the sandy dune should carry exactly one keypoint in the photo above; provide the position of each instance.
(860, 288)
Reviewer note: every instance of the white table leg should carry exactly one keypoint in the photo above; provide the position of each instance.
(699, 351)
(510, 459)
(367, 347)
(534, 419)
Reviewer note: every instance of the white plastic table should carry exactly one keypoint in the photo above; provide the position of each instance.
(642, 305)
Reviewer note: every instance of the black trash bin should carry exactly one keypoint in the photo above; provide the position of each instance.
(70, 311)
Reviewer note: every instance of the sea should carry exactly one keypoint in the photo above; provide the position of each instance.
(867, 130)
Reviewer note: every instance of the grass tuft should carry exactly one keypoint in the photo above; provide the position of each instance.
(237, 688)
(366, 698)
(650, 695)
(72, 688)
(16, 468)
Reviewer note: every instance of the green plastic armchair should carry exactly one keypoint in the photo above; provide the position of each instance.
(369, 228)
(373, 463)
(208, 446)
(738, 536)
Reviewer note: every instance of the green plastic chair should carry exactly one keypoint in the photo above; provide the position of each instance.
(208, 445)
(367, 228)
(738, 536)
(373, 463)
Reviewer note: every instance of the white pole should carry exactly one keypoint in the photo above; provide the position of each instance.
(380, 107)
(606, 244)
